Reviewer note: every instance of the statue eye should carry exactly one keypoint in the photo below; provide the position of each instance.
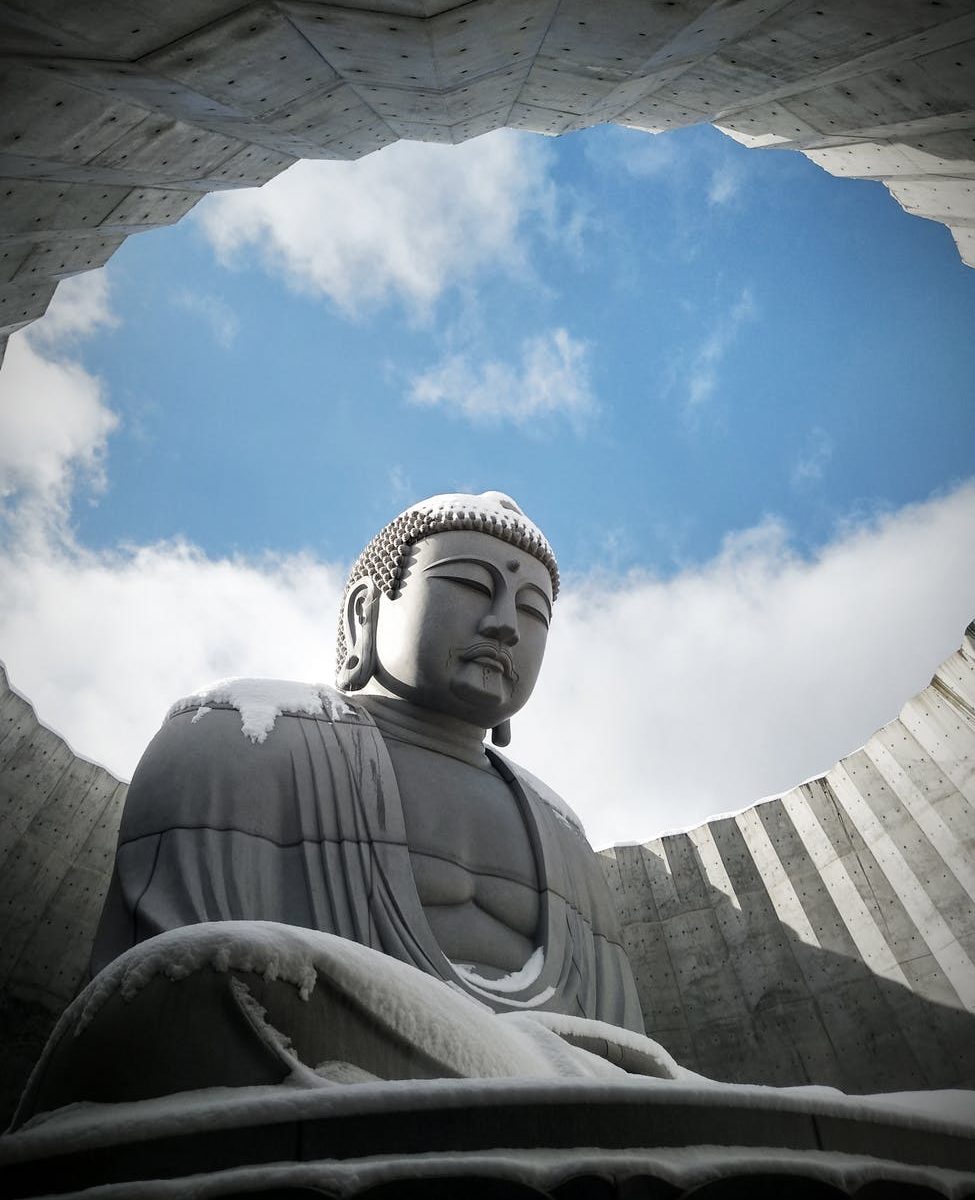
(531, 611)
(474, 585)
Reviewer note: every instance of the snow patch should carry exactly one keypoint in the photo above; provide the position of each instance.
(513, 982)
(261, 701)
(562, 811)
(633, 1052)
(496, 506)
(344, 1072)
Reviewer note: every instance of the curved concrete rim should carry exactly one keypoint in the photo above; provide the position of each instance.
(120, 119)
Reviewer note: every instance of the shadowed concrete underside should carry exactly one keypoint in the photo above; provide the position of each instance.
(826, 935)
(118, 118)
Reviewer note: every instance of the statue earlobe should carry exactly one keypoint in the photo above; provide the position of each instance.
(359, 621)
(501, 734)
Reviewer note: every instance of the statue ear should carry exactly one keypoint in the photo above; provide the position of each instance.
(359, 621)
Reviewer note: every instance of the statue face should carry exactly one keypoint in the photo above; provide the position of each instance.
(467, 632)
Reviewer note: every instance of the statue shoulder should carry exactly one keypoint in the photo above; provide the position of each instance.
(228, 750)
(543, 792)
(260, 702)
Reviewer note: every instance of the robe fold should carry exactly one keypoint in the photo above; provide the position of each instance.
(306, 828)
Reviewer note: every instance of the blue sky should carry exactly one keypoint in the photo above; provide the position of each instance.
(839, 376)
(695, 365)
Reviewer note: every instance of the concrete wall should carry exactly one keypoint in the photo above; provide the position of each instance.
(827, 935)
(59, 817)
(119, 117)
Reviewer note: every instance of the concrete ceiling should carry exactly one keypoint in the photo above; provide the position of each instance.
(119, 115)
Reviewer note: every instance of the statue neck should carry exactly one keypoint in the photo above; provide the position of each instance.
(408, 722)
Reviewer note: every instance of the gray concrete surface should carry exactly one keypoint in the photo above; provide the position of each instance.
(826, 935)
(59, 817)
(116, 118)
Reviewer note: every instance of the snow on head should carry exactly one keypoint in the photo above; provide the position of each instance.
(261, 701)
(495, 506)
(489, 512)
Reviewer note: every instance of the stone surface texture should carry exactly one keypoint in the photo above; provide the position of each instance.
(59, 818)
(118, 117)
(826, 935)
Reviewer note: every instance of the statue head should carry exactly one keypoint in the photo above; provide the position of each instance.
(448, 607)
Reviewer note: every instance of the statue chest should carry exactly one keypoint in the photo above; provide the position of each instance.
(472, 858)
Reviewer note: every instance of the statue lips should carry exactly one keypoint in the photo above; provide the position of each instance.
(491, 655)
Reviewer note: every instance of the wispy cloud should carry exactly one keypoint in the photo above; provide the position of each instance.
(404, 223)
(400, 485)
(641, 154)
(702, 170)
(220, 318)
(812, 462)
(700, 379)
(551, 379)
(725, 185)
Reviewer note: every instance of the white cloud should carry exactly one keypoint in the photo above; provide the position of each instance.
(219, 317)
(665, 701)
(725, 185)
(661, 701)
(54, 419)
(400, 485)
(700, 380)
(405, 222)
(101, 644)
(641, 154)
(689, 168)
(812, 462)
(80, 305)
(551, 379)
(53, 426)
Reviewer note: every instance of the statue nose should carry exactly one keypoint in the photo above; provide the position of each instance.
(494, 626)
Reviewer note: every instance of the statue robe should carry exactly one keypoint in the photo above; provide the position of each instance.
(306, 828)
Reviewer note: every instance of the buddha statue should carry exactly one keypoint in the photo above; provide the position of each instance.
(350, 950)
(372, 814)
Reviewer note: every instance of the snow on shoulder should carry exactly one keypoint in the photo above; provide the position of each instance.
(554, 801)
(261, 701)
